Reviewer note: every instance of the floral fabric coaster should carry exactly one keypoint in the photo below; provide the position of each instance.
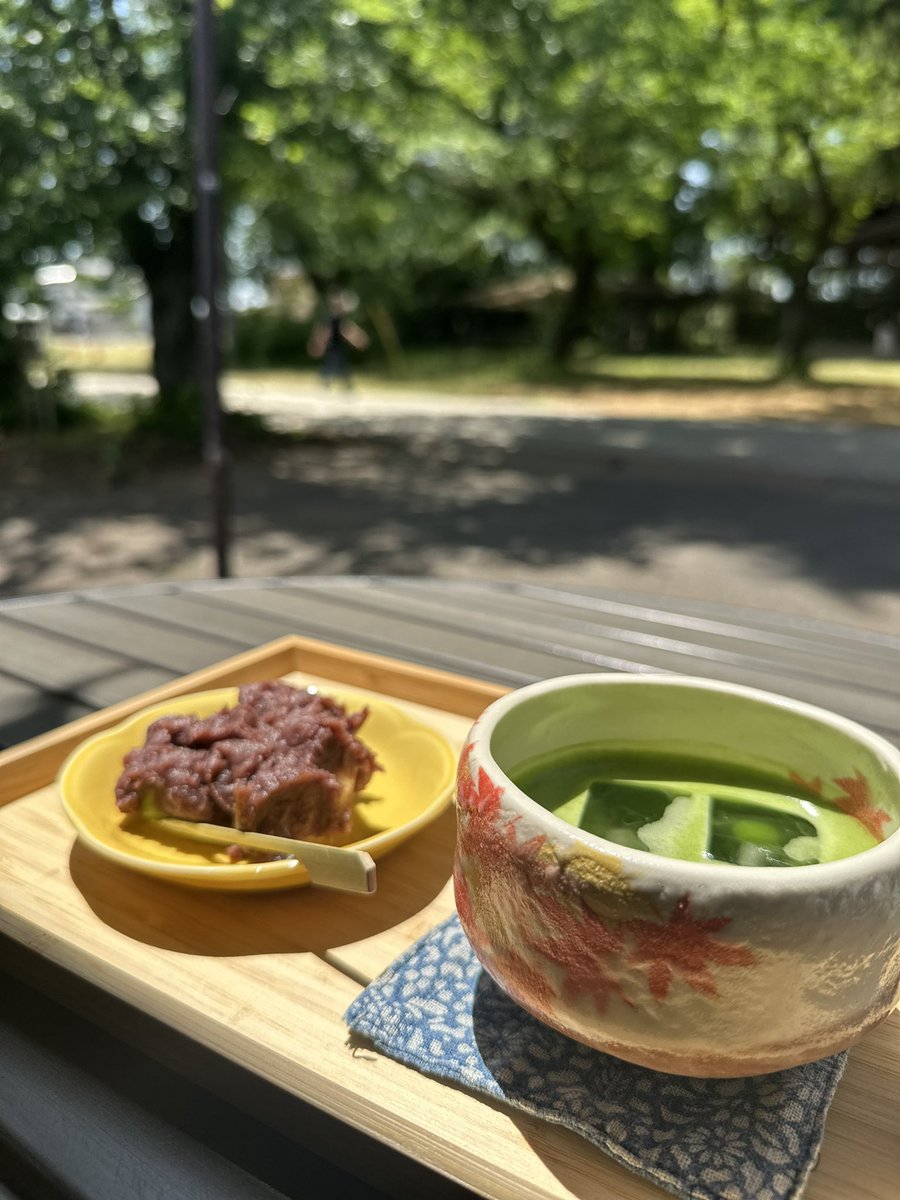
(702, 1139)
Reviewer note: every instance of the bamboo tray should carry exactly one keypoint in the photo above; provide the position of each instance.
(264, 979)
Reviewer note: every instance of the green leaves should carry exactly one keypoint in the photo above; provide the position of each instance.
(392, 141)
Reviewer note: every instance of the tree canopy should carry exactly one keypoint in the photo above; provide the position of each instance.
(409, 147)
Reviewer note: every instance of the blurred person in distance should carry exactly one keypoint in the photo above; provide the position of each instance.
(333, 336)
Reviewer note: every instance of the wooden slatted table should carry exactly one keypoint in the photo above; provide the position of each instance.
(151, 1077)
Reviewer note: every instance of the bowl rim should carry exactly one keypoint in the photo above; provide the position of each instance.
(709, 878)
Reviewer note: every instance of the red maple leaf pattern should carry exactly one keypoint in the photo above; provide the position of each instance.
(465, 784)
(463, 900)
(528, 849)
(578, 945)
(856, 801)
(809, 785)
(486, 798)
(481, 830)
(518, 911)
(477, 793)
(523, 981)
(684, 947)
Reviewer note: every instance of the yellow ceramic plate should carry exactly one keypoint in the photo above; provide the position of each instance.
(414, 787)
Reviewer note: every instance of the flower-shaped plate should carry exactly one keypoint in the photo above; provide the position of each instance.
(413, 788)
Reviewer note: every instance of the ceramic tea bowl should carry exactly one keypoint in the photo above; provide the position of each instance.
(696, 968)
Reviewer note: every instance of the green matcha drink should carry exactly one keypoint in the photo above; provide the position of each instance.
(689, 808)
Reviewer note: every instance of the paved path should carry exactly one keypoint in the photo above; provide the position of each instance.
(799, 449)
(799, 520)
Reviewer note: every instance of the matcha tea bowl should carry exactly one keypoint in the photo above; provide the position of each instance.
(696, 877)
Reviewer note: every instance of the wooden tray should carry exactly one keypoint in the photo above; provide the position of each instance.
(264, 979)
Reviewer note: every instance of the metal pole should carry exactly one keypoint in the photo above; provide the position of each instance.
(205, 304)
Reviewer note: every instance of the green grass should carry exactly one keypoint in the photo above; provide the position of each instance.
(114, 354)
(694, 368)
(476, 370)
(864, 372)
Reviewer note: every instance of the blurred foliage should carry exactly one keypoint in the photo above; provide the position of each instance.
(697, 172)
(261, 338)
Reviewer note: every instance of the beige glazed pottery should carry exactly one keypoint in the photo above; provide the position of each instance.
(697, 968)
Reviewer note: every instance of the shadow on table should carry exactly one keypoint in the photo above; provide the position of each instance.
(680, 1132)
(297, 920)
(33, 714)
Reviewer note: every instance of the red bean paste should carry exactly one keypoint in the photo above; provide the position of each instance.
(281, 761)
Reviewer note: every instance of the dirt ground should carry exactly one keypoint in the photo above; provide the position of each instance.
(786, 402)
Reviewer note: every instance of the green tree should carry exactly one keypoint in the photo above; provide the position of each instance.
(390, 143)
(342, 178)
(559, 118)
(43, 143)
(98, 94)
(99, 159)
(808, 103)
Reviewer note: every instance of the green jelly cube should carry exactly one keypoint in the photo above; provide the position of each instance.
(682, 831)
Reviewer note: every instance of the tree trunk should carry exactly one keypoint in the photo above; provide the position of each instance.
(168, 269)
(574, 320)
(797, 323)
(14, 389)
(796, 329)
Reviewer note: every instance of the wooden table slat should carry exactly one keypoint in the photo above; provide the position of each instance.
(105, 626)
(449, 633)
(531, 623)
(53, 661)
(753, 619)
(193, 611)
(859, 703)
(810, 653)
(27, 710)
(322, 617)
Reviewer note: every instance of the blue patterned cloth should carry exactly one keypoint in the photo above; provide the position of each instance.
(702, 1139)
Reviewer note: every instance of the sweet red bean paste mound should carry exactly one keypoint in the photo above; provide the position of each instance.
(282, 761)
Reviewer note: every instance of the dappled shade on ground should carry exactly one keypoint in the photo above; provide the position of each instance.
(432, 503)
